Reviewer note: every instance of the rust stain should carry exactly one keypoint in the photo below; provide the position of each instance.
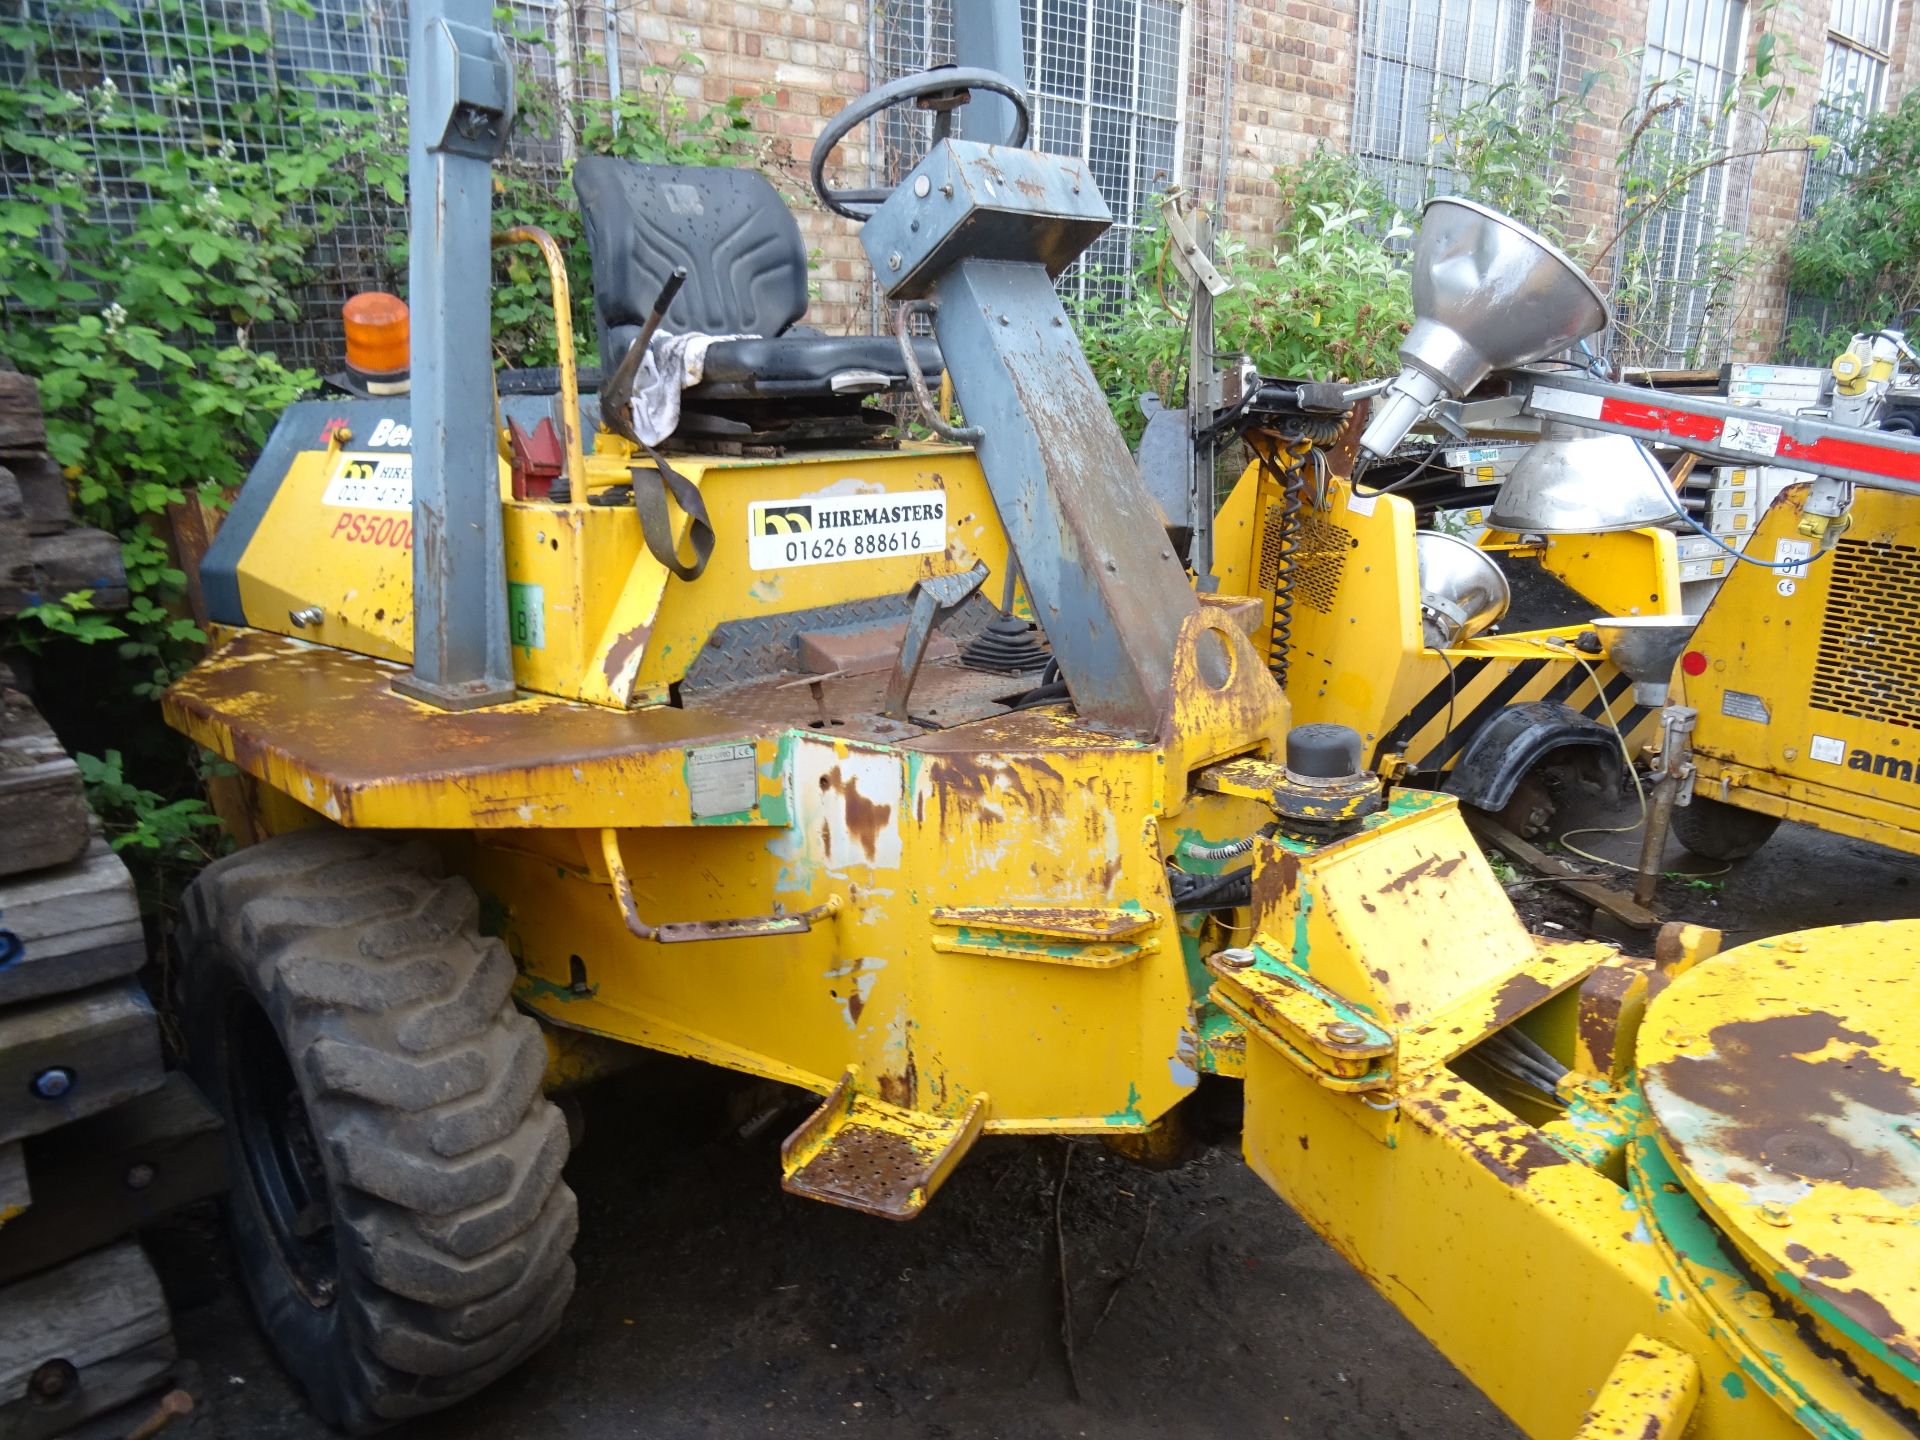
(865, 819)
(1273, 886)
(1510, 1151)
(1517, 996)
(1827, 1267)
(1033, 783)
(1433, 866)
(1868, 1313)
(623, 650)
(1602, 999)
(855, 1004)
(899, 1089)
(1782, 1114)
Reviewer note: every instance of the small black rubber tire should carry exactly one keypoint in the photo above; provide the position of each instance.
(351, 964)
(1719, 831)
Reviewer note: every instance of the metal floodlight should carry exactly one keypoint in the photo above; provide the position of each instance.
(1488, 294)
(1582, 482)
(1462, 591)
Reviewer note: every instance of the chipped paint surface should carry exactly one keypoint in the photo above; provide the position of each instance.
(1782, 1078)
(1649, 1395)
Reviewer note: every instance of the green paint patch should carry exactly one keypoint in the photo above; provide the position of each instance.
(1199, 978)
(535, 988)
(1734, 1385)
(1131, 1116)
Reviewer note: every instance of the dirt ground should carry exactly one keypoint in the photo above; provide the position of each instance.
(712, 1305)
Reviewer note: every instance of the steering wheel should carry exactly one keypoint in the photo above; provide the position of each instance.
(948, 81)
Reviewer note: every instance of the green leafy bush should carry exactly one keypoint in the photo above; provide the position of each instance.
(1860, 251)
(131, 287)
(1508, 146)
(1328, 298)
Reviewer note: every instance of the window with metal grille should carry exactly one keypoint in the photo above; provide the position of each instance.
(344, 52)
(1853, 85)
(1423, 59)
(1673, 285)
(1135, 87)
(1105, 80)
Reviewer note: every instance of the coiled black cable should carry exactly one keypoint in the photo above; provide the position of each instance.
(1283, 468)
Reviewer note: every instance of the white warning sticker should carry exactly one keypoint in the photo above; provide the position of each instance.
(1751, 437)
(1789, 556)
(1827, 748)
(831, 529)
(371, 482)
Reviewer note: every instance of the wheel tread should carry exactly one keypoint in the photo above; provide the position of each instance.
(423, 1089)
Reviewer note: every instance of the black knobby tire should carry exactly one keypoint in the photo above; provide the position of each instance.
(1720, 831)
(397, 1207)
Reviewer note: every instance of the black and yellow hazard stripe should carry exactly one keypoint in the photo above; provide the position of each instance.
(1440, 725)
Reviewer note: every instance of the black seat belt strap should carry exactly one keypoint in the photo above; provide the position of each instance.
(656, 527)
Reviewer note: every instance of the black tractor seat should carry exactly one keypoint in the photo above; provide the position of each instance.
(792, 365)
(746, 275)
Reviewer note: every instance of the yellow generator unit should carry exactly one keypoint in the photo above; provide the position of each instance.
(1807, 680)
(704, 740)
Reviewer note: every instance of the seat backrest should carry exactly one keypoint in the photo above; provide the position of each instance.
(746, 263)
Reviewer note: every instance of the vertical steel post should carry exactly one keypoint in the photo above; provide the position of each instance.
(1200, 452)
(986, 33)
(459, 113)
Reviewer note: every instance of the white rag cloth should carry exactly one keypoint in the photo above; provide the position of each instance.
(672, 363)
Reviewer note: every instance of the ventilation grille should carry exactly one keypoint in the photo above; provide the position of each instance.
(1869, 661)
(1317, 562)
(1272, 546)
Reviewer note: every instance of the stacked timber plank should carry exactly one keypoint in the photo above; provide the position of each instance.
(43, 554)
(96, 1138)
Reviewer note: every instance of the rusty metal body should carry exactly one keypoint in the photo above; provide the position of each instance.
(966, 920)
(1627, 1196)
(1016, 854)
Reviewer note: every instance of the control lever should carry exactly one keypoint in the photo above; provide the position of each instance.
(616, 394)
(933, 601)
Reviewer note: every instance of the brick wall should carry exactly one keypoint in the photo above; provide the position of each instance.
(810, 57)
(1293, 76)
(1773, 186)
(1573, 39)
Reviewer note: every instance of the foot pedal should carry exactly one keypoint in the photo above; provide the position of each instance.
(868, 1155)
